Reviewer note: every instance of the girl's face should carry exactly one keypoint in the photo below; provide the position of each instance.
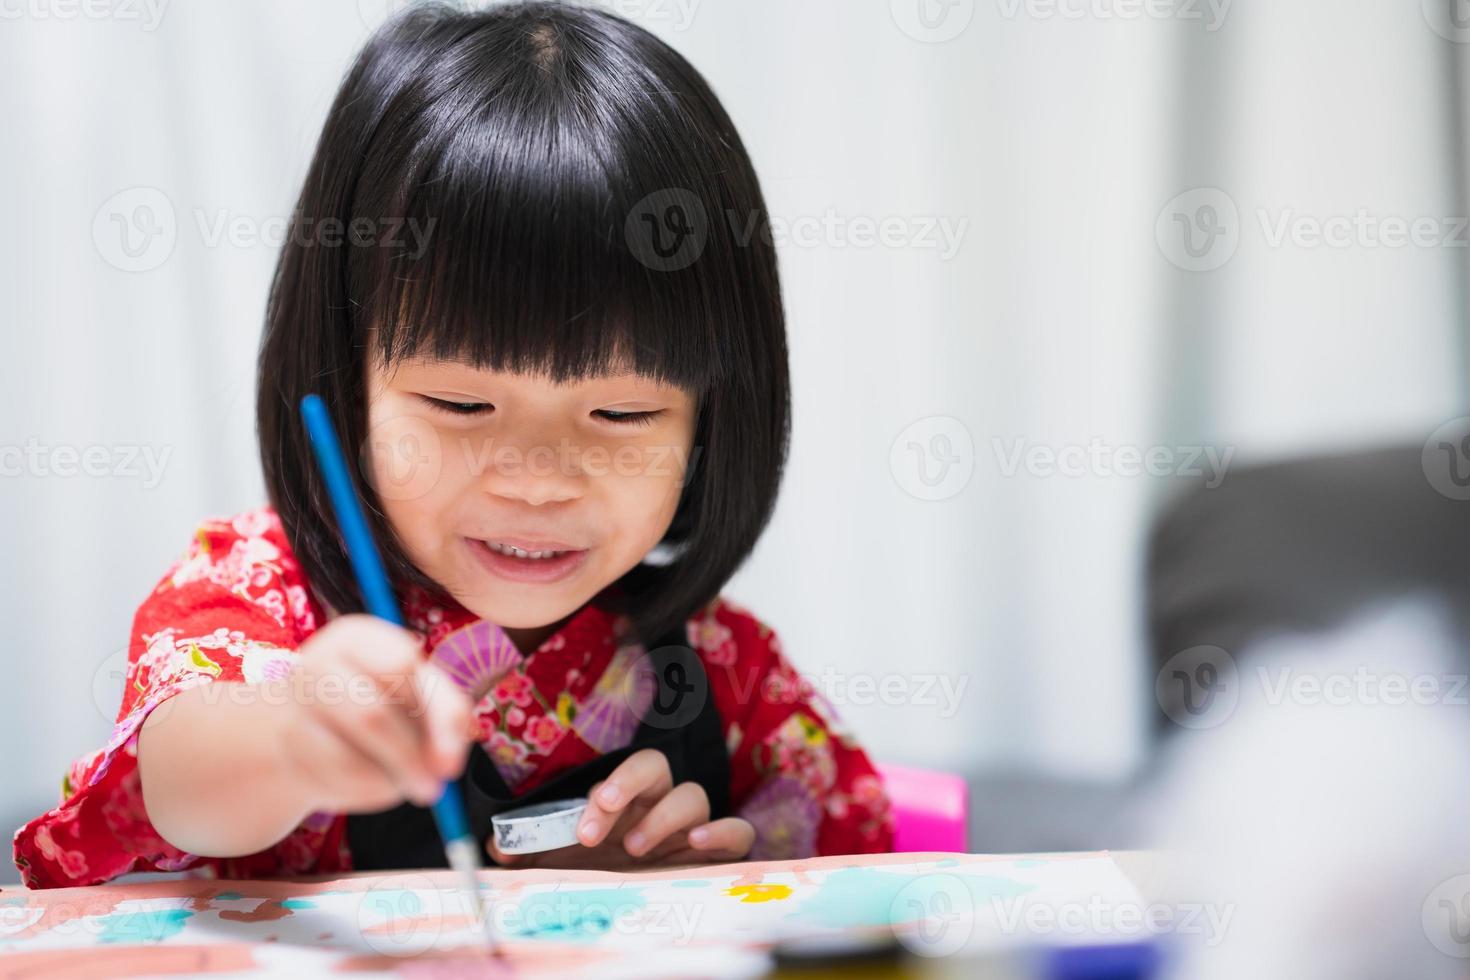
(525, 498)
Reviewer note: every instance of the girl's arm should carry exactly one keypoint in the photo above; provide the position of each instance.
(360, 723)
(798, 776)
(233, 612)
(206, 806)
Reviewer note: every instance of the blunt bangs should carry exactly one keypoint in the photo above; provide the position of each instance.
(522, 189)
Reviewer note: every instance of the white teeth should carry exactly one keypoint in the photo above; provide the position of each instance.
(508, 549)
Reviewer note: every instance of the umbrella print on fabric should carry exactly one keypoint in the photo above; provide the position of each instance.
(476, 656)
(608, 719)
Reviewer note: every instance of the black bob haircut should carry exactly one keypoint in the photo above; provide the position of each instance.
(591, 207)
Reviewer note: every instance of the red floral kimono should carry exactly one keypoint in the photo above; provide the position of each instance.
(235, 607)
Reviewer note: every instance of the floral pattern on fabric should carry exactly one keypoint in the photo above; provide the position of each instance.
(235, 607)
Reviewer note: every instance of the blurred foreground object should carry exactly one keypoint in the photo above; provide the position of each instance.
(1308, 621)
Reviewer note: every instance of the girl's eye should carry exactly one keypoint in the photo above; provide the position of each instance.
(458, 408)
(629, 418)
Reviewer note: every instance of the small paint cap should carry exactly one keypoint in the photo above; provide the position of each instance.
(539, 827)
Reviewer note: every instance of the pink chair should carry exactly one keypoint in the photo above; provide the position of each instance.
(930, 808)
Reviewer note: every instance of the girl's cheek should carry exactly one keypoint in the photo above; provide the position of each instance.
(405, 457)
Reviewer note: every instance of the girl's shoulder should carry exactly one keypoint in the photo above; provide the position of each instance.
(235, 551)
(724, 632)
(244, 560)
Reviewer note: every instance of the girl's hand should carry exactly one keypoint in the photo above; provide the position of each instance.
(638, 817)
(370, 722)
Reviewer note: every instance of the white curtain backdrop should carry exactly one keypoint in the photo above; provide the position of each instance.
(983, 273)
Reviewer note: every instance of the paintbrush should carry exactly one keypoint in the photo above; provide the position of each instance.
(460, 846)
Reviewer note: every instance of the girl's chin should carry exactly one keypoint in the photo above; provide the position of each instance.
(511, 614)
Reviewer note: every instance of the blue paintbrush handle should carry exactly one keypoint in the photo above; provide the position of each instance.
(367, 564)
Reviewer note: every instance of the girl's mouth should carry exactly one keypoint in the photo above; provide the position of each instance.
(522, 565)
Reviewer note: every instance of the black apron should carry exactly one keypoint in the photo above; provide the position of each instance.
(405, 836)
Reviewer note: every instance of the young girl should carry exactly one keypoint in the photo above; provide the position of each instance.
(530, 276)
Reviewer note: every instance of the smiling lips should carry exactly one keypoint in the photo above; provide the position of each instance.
(543, 551)
(525, 560)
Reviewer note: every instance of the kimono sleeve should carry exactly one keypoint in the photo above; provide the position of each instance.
(797, 774)
(232, 608)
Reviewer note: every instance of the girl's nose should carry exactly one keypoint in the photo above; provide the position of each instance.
(535, 472)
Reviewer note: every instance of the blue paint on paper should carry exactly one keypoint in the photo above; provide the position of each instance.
(297, 903)
(866, 897)
(150, 926)
(574, 916)
(690, 883)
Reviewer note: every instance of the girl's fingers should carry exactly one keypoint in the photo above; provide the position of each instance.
(731, 835)
(351, 779)
(643, 775)
(723, 841)
(386, 718)
(446, 721)
(382, 733)
(684, 806)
